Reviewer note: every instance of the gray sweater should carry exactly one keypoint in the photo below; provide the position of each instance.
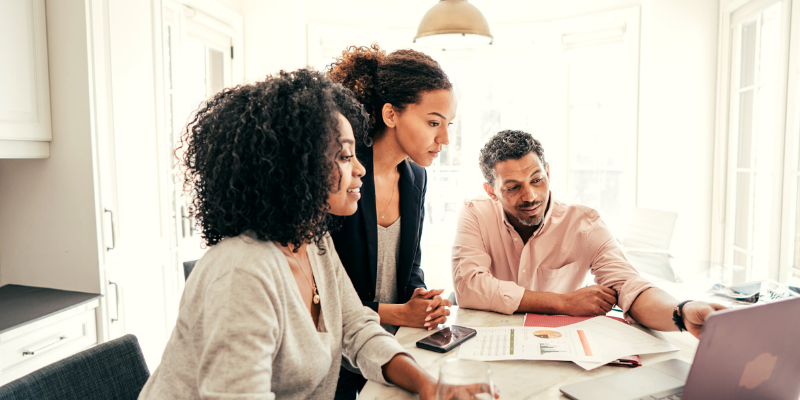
(243, 331)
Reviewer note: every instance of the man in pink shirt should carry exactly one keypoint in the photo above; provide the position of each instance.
(521, 250)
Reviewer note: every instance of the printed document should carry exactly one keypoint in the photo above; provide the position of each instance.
(617, 340)
(531, 343)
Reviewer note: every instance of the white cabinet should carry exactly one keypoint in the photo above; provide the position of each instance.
(24, 88)
(94, 216)
(30, 347)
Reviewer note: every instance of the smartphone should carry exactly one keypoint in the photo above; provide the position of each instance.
(447, 339)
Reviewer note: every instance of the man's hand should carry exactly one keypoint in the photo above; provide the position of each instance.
(695, 314)
(426, 309)
(592, 300)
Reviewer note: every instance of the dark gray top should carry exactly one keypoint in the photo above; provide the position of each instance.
(21, 305)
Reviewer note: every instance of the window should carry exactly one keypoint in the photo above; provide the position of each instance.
(759, 125)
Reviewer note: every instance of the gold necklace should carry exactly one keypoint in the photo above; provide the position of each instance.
(315, 299)
(391, 198)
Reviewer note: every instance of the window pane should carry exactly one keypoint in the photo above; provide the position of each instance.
(740, 258)
(583, 124)
(765, 129)
(748, 65)
(759, 270)
(762, 215)
(795, 251)
(216, 73)
(741, 231)
(770, 43)
(745, 128)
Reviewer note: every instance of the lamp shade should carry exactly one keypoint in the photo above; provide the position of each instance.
(453, 24)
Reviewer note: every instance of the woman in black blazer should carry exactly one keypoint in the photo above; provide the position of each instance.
(411, 102)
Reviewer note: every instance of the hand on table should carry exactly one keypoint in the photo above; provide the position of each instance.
(695, 314)
(426, 309)
(457, 392)
(591, 300)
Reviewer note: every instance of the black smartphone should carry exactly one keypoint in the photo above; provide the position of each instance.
(447, 339)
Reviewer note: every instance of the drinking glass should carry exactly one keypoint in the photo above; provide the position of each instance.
(465, 379)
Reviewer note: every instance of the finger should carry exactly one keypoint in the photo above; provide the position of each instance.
(436, 313)
(438, 321)
(607, 298)
(433, 292)
(434, 303)
(447, 303)
(608, 290)
(419, 292)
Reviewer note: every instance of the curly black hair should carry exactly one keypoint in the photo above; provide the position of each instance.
(507, 145)
(259, 158)
(376, 78)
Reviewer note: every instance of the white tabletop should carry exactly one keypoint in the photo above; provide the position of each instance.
(516, 379)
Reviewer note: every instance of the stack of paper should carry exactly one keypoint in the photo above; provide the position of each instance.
(617, 340)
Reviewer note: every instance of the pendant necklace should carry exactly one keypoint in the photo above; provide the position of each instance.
(391, 198)
(315, 299)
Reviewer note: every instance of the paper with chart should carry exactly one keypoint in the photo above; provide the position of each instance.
(617, 340)
(530, 343)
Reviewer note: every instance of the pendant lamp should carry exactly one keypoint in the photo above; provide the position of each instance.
(453, 24)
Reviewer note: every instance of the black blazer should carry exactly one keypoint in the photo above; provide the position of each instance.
(357, 240)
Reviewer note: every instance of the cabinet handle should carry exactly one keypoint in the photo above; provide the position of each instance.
(113, 235)
(32, 352)
(116, 300)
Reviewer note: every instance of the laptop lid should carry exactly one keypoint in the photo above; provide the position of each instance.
(748, 353)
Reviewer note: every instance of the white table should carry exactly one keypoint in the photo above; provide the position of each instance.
(516, 379)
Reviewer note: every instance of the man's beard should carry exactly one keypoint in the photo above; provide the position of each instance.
(531, 223)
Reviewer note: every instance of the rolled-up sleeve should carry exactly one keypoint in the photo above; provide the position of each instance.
(612, 269)
(475, 285)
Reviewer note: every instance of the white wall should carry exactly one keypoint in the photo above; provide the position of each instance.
(274, 36)
(676, 117)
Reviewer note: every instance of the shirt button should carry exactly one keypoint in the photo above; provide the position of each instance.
(515, 239)
(523, 270)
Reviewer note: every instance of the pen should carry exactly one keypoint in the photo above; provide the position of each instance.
(616, 309)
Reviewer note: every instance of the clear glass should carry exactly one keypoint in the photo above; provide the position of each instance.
(465, 379)
(762, 215)
(745, 128)
(741, 233)
(748, 60)
(770, 43)
(795, 250)
(765, 127)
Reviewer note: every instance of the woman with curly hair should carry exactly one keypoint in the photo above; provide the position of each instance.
(410, 102)
(269, 311)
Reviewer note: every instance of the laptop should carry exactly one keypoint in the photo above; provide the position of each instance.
(744, 353)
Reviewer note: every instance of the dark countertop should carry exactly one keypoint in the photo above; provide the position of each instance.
(21, 305)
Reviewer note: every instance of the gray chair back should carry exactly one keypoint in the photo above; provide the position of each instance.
(188, 266)
(114, 370)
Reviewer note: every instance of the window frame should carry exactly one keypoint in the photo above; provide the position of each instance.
(732, 14)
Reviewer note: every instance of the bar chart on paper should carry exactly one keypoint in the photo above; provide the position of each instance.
(529, 343)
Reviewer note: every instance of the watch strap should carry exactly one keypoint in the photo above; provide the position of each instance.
(677, 315)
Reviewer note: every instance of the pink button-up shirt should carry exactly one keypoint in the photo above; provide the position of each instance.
(492, 267)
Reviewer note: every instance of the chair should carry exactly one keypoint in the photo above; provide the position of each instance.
(646, 242)
(114, 370)
(188, 266)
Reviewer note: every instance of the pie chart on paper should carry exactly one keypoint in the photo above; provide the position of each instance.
(543, 334)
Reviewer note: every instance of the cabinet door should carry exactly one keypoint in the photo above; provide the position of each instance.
(24, 87)
(133, 194)
(137, 303)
